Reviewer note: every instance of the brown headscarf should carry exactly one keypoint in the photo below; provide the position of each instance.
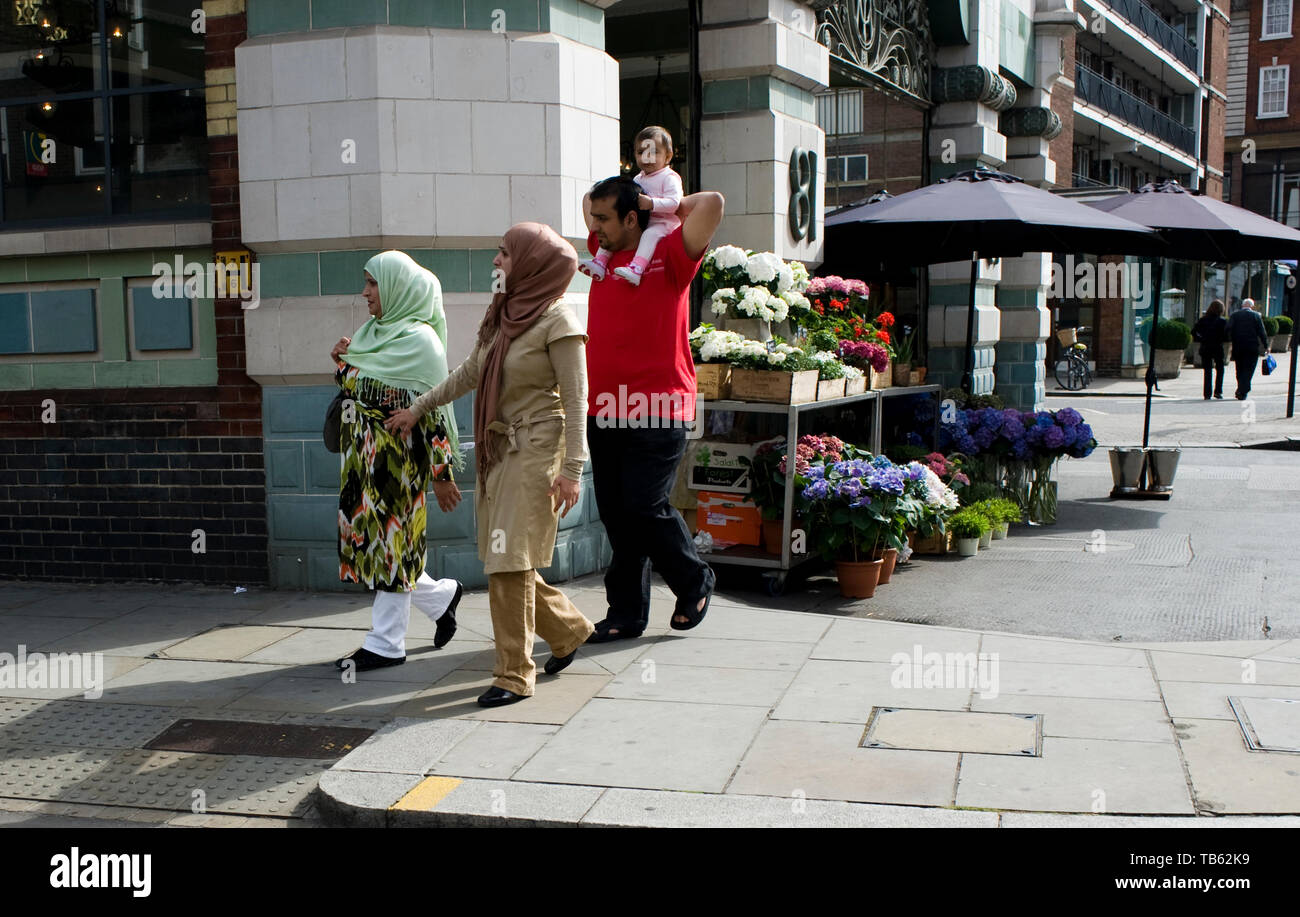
(542, 265)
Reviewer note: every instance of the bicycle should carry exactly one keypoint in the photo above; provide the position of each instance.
(1072, 372)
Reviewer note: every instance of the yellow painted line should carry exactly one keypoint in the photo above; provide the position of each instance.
(426, 794)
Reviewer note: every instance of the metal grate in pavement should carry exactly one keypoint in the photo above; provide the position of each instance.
(1017, 734)
(280, 740)
(1268, 723)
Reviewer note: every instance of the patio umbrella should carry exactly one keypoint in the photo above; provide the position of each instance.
(1197, 228)
(978, 214)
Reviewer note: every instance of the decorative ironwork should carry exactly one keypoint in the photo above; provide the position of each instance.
(1031, 122)
(973, 83)
(888, 39)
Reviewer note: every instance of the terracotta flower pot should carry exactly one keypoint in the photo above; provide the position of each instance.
(889, 559)
(858, 578)
(772, 536)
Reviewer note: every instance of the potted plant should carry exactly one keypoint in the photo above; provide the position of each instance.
(750, 290)
(903, 356)
(966, 526)
(852, 512)
(1172, 338)
(1281, 341)
(710, 349)
(774, 372)
(1002, 512)
(870, 358)
(830, 375)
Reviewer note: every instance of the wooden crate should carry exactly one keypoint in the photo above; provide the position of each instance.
(935, 544)
(774, 387)
(830, 388)
(713, 381)
(855, 386)
(884, 379)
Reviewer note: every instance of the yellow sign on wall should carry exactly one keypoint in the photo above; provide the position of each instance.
(233, 273)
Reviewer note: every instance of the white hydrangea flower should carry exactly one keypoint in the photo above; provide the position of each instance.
(801, 278)
(784, 278)
(729, 256)
(752, 301)
(778, 307)
(852, 372)
(796, 300)
(763, 267)
(777, 357)
(722, 300)
(823, 356)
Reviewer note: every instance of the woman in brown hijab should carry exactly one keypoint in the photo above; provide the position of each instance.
(530, 423)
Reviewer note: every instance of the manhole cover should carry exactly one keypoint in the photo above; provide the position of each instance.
(1017, 734)
(1269, 723)
(276, 740)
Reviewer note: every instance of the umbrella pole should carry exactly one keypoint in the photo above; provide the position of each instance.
(968, 376)
(1294, 297)
(1151, 365)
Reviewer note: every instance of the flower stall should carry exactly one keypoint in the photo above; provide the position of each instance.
(778, 345)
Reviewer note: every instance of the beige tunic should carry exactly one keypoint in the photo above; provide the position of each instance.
(543, 412)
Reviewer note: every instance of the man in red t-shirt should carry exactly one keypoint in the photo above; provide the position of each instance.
(641, 398)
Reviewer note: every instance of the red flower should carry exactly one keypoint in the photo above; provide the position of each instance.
(885, 320)
(882, 336)
(819, 309)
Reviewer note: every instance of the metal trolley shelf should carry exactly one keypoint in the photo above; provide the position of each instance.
(747, 556)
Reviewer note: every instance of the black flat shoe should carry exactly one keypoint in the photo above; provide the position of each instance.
(693, 615)
(447, 620)
(557, 664)
(498, 697)
(602, 633)
(363, 660)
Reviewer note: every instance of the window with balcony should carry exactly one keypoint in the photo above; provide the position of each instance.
(1273, 91)
(102, 114)
(1277, 19)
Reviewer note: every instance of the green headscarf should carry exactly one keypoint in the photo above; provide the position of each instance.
(406, 347)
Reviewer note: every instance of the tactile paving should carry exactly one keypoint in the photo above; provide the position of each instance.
(148, 779)
(86, 725)
(48, 771)
(13, 709)
(264, 786)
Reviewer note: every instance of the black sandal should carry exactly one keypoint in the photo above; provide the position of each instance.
(695, 615)
(602, 632)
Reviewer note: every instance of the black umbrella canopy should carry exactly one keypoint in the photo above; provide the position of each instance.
(1200, 228)
(993, 213)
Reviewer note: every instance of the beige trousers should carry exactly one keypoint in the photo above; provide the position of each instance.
(523, 604)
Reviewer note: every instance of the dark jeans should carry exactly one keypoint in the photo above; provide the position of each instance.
(633, 472)
(1212, 363)
(1245, 366)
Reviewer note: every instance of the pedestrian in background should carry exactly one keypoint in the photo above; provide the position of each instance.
(1249, 340)
(1212, 332)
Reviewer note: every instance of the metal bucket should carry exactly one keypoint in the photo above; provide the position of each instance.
(1162, 465)
(1126, 469)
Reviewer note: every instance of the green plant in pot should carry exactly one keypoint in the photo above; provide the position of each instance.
(1001, 512)
(966, 526)
(767, 488)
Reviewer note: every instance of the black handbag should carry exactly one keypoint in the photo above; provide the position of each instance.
(333, 431)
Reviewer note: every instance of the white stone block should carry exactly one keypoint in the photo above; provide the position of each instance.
(1026, 324)
(572, 133)
(365, 205)
(361, 65)
(262, 340)
(404, 64)
(757, 231)
(22, 243)
(308, 68)
(472, 206)
(312, 208)
(408, 205)
(767, 187)
(470, 65)
(433, 136)
(509, 137)
(765, 47)
(253, 73)
(464, 311)
(612, 102)
(361, 131)
(731, 181)
(196, 233)
(274, 143)
(572, 225)
(537, 199)
(535, 70)
(257, 221)
(604, 150)
(589, 71)
(149, 235)
(1027, 271)
(972, 141)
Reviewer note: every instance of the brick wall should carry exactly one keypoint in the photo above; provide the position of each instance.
(113, 489)
(1061, 149)
(1109, 333)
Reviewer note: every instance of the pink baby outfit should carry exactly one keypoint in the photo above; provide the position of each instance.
(664, 188)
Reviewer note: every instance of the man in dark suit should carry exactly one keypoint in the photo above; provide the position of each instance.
(1249, 340)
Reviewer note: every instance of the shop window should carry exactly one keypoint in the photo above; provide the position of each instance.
(1273, 91)
(96, 123)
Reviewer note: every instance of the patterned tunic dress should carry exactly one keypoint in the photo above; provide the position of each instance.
(382, 519)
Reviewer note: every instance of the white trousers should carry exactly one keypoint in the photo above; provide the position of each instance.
(391, 614)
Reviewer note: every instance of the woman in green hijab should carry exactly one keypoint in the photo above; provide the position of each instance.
(398, 353)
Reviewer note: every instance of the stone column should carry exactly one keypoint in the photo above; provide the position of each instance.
(759, 65)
